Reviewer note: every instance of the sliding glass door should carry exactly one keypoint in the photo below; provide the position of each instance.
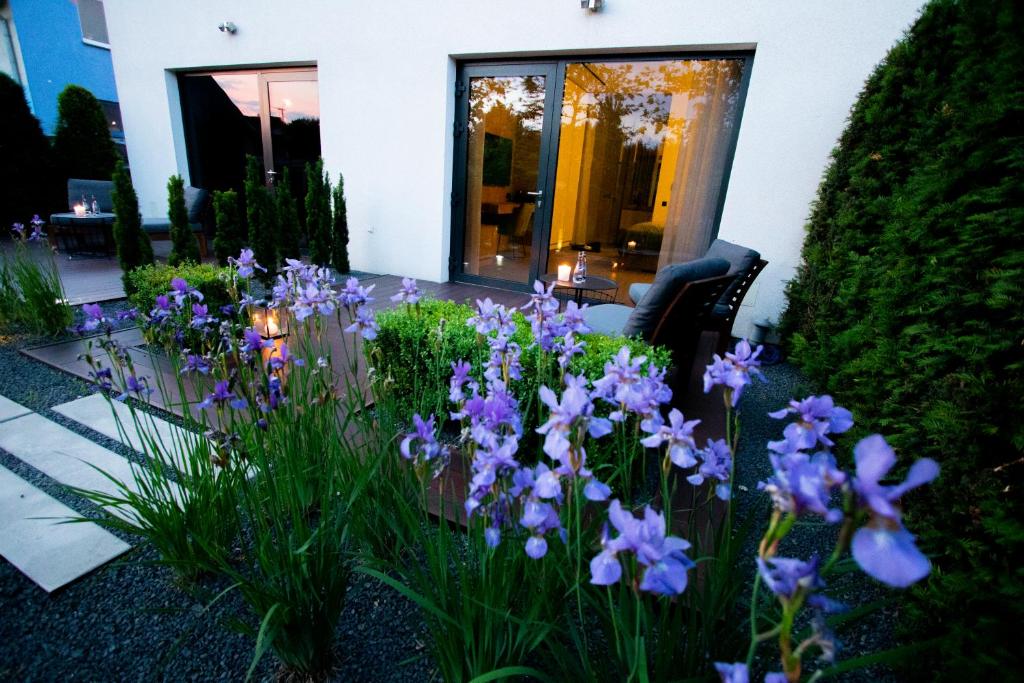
(634, 164)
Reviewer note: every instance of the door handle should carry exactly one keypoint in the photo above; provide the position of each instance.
(271, 176)
(538, 194)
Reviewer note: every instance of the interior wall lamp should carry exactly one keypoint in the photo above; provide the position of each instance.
(592, 5)
(227, 27)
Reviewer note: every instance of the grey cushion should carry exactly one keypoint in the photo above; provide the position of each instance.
(637, 291)
(667, 284)
(79, 187)
(607, 319)
(195, 203)
(741, 260)
(158, 225)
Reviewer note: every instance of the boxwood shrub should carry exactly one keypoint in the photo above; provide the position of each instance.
(907, 308)
(416, 346)
(150, 281)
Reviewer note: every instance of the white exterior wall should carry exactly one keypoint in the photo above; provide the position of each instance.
(386, 77)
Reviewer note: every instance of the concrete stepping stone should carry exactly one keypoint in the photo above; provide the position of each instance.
(70, 458)
(10, 410)
(33, 539)
(94, 412)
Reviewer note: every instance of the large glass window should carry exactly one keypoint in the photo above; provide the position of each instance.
(93, 21)
(642, 152)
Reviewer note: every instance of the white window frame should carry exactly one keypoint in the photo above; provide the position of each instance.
(92, 41)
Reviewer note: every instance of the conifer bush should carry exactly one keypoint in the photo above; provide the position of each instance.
(287, 217)
(26, 176)
(184, 246)
(261, 217)
(339, 244)
(908, 308)
(318, 212)
(229, 238)
(82, 146)
(133, 246)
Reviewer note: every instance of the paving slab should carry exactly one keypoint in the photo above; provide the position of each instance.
(95, 413)
(10, 410)
(34, 540)
(70, 458)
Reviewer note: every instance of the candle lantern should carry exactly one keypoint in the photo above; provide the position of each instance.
(79, 209)
(564, 272)
(268, 322)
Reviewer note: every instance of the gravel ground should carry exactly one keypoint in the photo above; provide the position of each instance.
(130, 620)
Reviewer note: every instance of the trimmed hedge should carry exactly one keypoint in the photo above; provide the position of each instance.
(82, 147)
(409, 352)
(908, 309)
(150, 281)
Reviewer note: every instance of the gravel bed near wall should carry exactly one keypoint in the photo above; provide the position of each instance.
(130, 620)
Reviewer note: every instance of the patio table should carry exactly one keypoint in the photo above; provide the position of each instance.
(92, 233)
(591, 283)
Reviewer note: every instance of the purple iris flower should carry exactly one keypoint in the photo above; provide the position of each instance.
(733, 673)
(678, 434)
(575, 405)
(492, 317)
(102, 378)
(282, 357)
(803, 483)
(135, 385)
(354, 294)
(93, 316)
(253, 342)
(195, 363)
(504, 354)
(539, 518)
(200, 317)
(313, 299)
(716, 463)
(181, 290)
(365, 323)
(409, 293)
(421, 446)
(37, 228)
(132, 314)
(567, 348)
(491, 416)
(572, 318)
(818, 417)
(884, 548)
(246, 263)
(785, 576)
(619, 374)
(662, 557)
(459, 381)
(734, 372)
(18, 229)
(222, 394)
(162, 309)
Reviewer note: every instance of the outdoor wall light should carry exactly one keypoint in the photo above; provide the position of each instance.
(592, 5)
(268, 322)
(227, 27)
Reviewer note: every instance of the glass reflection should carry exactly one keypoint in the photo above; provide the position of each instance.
(641, 158)
(506, 116)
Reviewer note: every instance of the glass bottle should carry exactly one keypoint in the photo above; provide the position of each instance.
(580, 274)
(85, 204)
(94, 205)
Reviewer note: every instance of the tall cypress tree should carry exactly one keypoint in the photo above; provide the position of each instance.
(134, 248)
(261, 217)
(339, 245)
(318, 213)
(82, 147)
(184, 246)
(229, 239)
(907, 308)
(287, 217)
(26, 176)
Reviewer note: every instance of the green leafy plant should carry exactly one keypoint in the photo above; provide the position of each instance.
(339, 242)
(82, 147)
(318, 213)
(31, 292)
(27, 181)
(287, 217)
(134, 248)
(910, 288)
(229, 239)
(261, 218)
(149, 282)
(184, 246)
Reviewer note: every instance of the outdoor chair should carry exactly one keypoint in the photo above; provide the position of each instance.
(744, 266)
(197, 203)
(673, 311)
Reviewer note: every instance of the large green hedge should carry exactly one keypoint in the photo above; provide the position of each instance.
(909, 308)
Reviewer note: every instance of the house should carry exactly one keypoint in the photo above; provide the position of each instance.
(489, 141)
(46, 45)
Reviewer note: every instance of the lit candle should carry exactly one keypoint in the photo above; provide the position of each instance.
(79, 210)
(631, 244)
(564, 272)
(272, 327)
